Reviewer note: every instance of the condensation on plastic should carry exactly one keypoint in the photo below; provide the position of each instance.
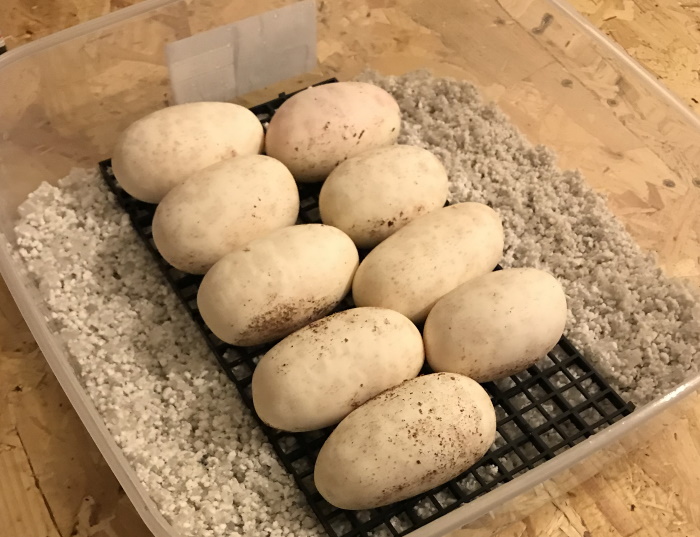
(50, 122)
(235, 59)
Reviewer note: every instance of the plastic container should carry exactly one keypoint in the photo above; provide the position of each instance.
(541, 412)
(66, 97)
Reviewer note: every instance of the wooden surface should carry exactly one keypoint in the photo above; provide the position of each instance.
(53, 481)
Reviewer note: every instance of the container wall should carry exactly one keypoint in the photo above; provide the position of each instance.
(65, 99)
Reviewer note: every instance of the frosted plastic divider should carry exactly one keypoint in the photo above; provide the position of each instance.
(113, 18)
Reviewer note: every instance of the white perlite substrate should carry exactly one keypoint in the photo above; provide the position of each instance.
(178, 419)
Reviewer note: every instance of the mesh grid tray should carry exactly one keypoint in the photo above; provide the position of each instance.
(541, 412)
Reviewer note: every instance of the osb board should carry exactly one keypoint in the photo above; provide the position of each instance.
(56, 483)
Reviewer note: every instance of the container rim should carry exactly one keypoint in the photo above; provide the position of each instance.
(105, 442)
(115, 17)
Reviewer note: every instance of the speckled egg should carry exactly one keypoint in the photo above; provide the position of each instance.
(223, 207)
(164, 148)
(406, 441)
(318, 375)
(373, 195)
(427, 258)
(276, 284)
(496, 325)
(320, 127)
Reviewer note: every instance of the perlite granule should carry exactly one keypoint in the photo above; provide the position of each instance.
(180, 422)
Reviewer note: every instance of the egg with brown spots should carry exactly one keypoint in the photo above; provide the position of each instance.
(319, 374)
(320, 127)
(427, 258)
(277, 284)
(406, 441)
(373, 195)
(496, 325)
(223, 207)
(164, 148)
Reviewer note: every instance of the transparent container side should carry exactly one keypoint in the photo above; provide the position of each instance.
(65, 99)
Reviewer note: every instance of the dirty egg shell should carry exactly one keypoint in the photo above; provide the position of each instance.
(164, 148)
(376, 193)
(320, 127)
(429, 257)
(406, 441)
(496, 325)
(318, 375)
(277, 284)
(223, 207)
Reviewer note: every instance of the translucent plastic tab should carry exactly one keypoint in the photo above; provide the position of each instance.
(231, 60)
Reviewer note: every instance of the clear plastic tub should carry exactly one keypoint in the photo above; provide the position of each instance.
(65, 98)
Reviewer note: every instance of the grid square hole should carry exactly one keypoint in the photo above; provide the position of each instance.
(499, 442)
(591, 416)
(380, 531)
(312, 214)
(308, 202)
(341, 525)
(590, 386)
(538, 393)
(425, 508)
(504, 384)
(401, 522)
(445, 497)
(558, 354)
(559, 379)
(523, 376)
(190, 292)
(574, 396)
(510, 461)
(500, 413)
(468, 484)
(520, 401)
(302, 465)
(607, 406)
(546, 362)
(313, 435)
(576, 371)
(363, 516)
(553, 408)
(529, 450)
(568, 428)
(309, 485)
(288, 443)
(534, 418)
(510, 431)
(551, 437)
(488, 473)
(241, 371)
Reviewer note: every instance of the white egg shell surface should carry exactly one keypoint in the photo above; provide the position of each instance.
(277, 284)
(406, 441)
(376, 193)
(496, 325)
(427, 258)
(316, 376)
(223, 207)
(164, 148)
(320, 127)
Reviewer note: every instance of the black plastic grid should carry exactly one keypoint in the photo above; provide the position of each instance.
(541, 412)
